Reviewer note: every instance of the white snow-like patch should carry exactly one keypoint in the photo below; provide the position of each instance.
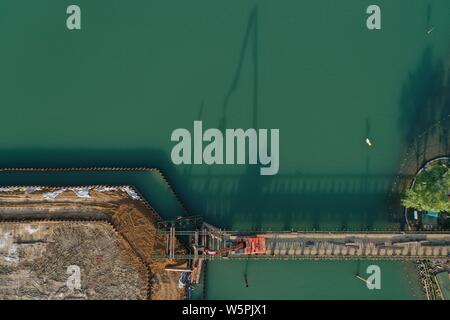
(131, 193)
(9, 248)
(105, 189)
(8, 189)
(53, 194)
(29, 190)
(31, 229)
(81, 192)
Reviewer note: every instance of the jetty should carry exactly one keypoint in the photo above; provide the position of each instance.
(209, 242)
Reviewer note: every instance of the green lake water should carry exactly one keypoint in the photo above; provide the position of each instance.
(444, 282)
(112, 93)
(309, 280)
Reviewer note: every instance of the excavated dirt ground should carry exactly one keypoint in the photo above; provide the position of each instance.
(37, 260)
(133, 220)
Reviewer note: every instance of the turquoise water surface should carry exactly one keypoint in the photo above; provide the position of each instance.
(112, 93)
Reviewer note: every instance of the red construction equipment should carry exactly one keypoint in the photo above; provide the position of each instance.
(251, 246)
(237, 246)
(255, 245)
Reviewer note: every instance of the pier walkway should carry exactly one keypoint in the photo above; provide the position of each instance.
(209, 242)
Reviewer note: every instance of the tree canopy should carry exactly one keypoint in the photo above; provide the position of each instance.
(430, 191)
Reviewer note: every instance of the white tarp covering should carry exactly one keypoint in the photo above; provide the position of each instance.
(81, 192)
(53, 194)
(131, 193)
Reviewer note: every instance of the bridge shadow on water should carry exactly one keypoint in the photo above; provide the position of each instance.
(293, 201)
(284, 201)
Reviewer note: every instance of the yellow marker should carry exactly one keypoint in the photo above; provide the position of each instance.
(369, 143)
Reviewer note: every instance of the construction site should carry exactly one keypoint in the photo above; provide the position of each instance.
(38, 258)
(125, 250)
(110, 233)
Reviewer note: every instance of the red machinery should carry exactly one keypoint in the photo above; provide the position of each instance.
(251, 246)
(255, 245)
(237, 246)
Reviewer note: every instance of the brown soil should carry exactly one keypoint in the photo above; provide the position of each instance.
(133, 219)
(36, 261)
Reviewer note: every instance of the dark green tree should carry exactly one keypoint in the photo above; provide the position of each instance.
(430, 191)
